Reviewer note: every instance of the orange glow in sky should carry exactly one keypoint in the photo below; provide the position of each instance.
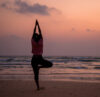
(63, 22)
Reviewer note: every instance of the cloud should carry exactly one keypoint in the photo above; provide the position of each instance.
(73, 29)
(88, 30)
(24, 8)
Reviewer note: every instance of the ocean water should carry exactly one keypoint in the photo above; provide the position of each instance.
(64, 68)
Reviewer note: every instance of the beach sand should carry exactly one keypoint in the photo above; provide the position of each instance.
(27, 88)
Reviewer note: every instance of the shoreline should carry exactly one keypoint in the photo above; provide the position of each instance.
(54, 80)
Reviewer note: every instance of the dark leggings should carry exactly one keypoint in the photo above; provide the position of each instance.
(38, 62)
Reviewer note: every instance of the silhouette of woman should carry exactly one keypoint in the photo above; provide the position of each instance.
(38, 61)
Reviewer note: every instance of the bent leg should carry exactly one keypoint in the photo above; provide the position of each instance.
(45, 64)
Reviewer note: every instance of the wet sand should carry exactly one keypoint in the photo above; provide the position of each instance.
(27, 88)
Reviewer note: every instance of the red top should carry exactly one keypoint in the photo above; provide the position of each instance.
(37, 47)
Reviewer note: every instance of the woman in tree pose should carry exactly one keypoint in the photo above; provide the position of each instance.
(38, 61)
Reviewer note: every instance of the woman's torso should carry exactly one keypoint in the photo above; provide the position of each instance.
(37, 47)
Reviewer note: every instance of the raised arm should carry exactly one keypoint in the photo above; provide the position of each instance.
(39, 28)
(34, 31)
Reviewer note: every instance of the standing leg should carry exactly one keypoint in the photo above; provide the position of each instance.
(36, 76)
(36, 72)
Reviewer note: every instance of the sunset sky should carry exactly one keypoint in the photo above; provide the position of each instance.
(69, 27)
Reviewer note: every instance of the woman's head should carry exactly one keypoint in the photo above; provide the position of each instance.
(36, 37)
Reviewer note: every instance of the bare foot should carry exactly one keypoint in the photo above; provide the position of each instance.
(41, 88)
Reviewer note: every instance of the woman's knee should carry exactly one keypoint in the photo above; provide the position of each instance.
(36, 74)
(36, 77)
